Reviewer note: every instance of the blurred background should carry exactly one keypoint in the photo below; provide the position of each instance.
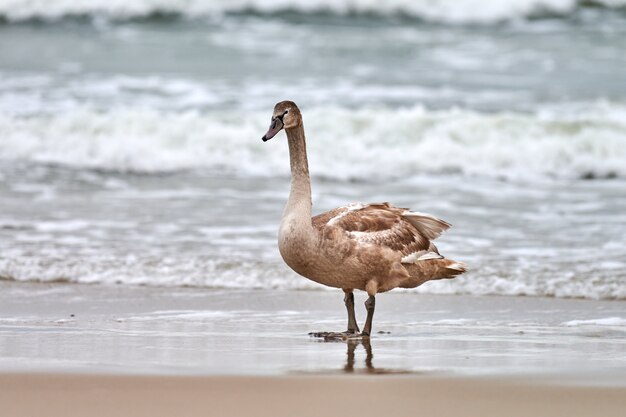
(130, 147)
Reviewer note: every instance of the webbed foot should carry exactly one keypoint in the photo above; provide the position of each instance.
(339, 336)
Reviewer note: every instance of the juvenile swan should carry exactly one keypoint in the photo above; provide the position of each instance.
(370, 247)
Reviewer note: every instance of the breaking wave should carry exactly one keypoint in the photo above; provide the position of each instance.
(577, 141)
(225, 274)
(442, 11)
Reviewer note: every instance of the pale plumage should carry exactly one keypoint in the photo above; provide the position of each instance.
(372, 247)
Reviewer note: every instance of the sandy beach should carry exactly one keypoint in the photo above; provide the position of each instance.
(54, 395)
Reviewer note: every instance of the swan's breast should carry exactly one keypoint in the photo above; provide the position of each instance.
(296, 244)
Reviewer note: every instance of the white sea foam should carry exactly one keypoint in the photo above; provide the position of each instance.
(273, 274)
(261, 268)
(606, 321)
(588, 140)
(549, 285)
(448, 11)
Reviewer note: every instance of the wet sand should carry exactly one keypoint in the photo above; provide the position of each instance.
(195, 331)
(97, 395)
(96, 350)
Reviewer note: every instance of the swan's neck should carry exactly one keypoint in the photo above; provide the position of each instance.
(297, 238)
(299, 203)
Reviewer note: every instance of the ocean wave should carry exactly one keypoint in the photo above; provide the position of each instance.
(22, 94)
(228, 274)
(576, 141)
(442, 11)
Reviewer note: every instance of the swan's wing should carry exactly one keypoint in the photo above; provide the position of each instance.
(408, 233)
(429, 226)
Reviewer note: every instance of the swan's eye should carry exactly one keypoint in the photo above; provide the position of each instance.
(282, 115)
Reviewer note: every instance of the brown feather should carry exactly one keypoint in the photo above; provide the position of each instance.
(378, 224)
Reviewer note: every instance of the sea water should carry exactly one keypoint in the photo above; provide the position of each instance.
(130, 146)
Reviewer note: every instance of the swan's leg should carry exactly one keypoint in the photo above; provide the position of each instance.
(370, 304)
(353, 327)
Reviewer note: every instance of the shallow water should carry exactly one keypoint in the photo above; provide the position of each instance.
(199, 331)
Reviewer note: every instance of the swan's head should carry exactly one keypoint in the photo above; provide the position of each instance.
(286, 116)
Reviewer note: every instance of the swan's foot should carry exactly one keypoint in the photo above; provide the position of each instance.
(353, 332)
(338, 336)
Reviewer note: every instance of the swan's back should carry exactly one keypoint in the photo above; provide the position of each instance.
(406, 234)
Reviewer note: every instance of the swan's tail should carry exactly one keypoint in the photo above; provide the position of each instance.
(453, 268)
(433, 269)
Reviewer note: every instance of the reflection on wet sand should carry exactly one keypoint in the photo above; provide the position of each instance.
(370, 369)
(369, 365)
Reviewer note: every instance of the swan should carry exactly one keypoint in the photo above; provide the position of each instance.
(372, 247)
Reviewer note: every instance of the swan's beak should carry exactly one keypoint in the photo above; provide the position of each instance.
(275, 127)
